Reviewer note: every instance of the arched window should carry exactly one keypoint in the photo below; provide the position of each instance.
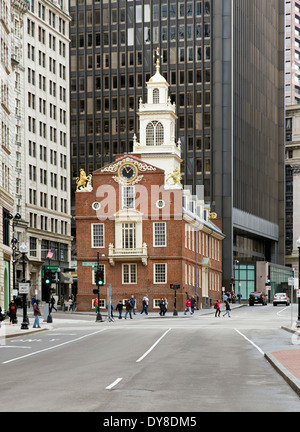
(159, 134)
(150, 134)
(154, 133)
(156, 96)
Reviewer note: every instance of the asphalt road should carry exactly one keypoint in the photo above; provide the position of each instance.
(193, 364)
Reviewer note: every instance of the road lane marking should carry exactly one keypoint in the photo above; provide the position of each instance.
(114, 383)
(55, 346)
(153, 346)
(282, 310)
(14, 346)
(252, 343)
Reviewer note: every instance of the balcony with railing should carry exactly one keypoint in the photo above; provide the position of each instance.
(127, 254)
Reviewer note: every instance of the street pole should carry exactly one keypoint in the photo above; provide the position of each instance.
(175, 313)
(298, 246)
(24, 325)
(99, 317)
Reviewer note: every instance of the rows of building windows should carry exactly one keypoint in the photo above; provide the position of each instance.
(205, 245)
(46, 223)
(129, 273)
(160, 275)
(39, 248)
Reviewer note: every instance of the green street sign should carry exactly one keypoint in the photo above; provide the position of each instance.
(53, 267)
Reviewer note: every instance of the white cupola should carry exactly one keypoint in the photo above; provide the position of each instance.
(157, 118)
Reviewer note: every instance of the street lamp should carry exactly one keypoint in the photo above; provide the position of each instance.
(298, 246)
(23, 249)
(14, 242)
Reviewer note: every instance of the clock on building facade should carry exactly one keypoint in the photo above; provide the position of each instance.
(127, 172)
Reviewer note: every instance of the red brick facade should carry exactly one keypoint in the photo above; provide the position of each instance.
(125, 240)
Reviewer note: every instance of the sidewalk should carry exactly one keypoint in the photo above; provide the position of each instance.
(287, 362)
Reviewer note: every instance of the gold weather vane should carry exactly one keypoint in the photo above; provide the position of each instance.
(157, 59)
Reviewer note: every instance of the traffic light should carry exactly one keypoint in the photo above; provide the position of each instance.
(47, 277)
(175, 286)
(99, 278)
(53, 276)
(268, 281)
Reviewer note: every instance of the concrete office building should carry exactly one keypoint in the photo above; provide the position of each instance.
(12, 152)
(46, 53)
(224, 61)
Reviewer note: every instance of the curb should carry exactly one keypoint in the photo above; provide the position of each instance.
(287, 376)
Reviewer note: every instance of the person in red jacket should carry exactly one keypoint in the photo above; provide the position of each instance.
(95, 303)
(188, 306)
(218, 309)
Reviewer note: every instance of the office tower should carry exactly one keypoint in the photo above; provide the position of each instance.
(292, 52)
(292, 207)
(224, 62)
(46, 53)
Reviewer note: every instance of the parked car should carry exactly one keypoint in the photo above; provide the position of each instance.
(257, 297)
(281, 298)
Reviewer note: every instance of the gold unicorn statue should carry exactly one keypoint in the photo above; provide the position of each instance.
(175, 176)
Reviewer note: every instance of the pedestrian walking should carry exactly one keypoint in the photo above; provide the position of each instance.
(52, 303)
(32, 301)
(128, 307)
(166, 306)
(218, 309)
(111, 309)
(239, 296)
(119, 308)
(188, 306)
(95, 304)
(37, 314)
(145, 304)
(2, 316)
(132, 301)
(73, 303)
(162, 306)
(12, 312)
(227, 312)
(193, 304)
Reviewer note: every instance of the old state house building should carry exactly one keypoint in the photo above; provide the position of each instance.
(145, 231)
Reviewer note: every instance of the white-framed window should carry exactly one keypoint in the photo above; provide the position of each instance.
(159, 234)
(160, 273)
(156, 303)
(129, 273)
(102, 303)
(154, 133)
(128, 195)
(128, 235)
(156, 96)
(98, 235)
(102, 268)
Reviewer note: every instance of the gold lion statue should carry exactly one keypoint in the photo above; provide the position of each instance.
(175, 176)
(83, 180)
